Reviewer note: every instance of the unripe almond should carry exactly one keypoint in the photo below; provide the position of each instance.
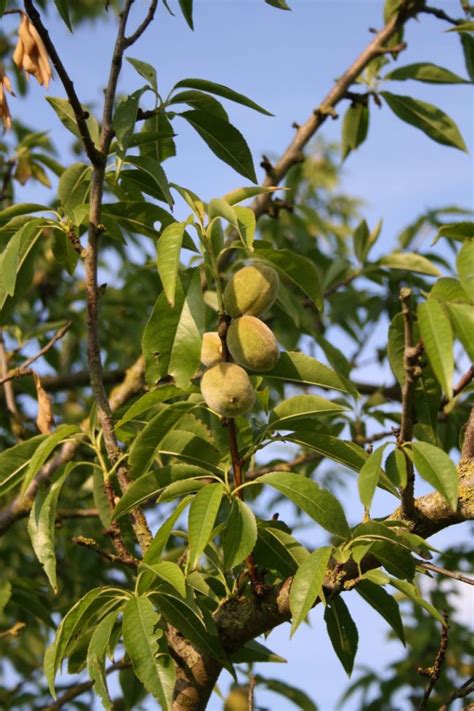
(227, 390)
(252, 290)
(211, 349)
(252, 344)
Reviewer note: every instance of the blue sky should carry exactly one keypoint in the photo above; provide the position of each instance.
(287, 61)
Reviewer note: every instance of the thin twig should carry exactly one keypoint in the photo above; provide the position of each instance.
(251, 694)
(412, 371)
(22, 369)
(463, 382)
(440, 14)
(443, 571)
(80, 114)
(124, 557)
(466, 689)
(143, 26)
(8, 387)
(467, 452)
(435, 671)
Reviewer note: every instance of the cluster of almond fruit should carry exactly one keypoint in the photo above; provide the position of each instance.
(226, 386)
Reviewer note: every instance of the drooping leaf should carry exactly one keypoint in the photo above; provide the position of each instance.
(279, 4)
(202, 517)
(297, 697)
(66, 115)
(42, 453)
(240, 534)
(153, 169)
(307, 584)
(369, 476)
(96, 653)
(63, 9)
(172, 337)
(145, 70)
(294, 366)
(170, 573)
(428, 118)
(436, 467)
(253, 651)
(457, 230)
(168, 251)
(319, 504)
(14, 462)
(354, 128)
(15, 254)
(342, 632)
(384, 603)
(74, 186)
(410, 590)
(5, 594)
(426, 72)
(187, 10)
(465, 266)
(154, 669)
(41, 526)
(301, 406)
(462, 318)
(437, 335)
(467, 44)
(221, 90)
(224, 140)
(278, 550)
(161, 537)
(342, 451)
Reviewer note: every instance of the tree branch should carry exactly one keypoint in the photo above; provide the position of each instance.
(143, 26)
(443, 571)
(435, 671)
(466, 689)
(22, 369)
(81, 116)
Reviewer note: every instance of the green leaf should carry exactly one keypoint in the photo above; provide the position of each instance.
(318, 503)
(428, 118)
(22, 208)
(447, 289)
(409, 261)
(293, 694)
(240, 194)
(307, 584)
(247, 223)
(168, 251)
(160, 540)
(253, 651)
(96, 653)
(146, 445)
(369, 476)
(412, 593)
(279, 4)
(187, 10)
(182, 616)
(465, 266)
(427, 72)
(467, 43)
(457, 230)
(145, 70)
(396, 467)
(437, 335)
(224, 140)
(170, 572)
(74, 186)
(354, 128)
(201, 102)
(15, 254)
(342, 451)
(150, 484)
(301, 406)
(154, 669)
(395, 559)
(434, 465)
(221, 90)
(462, 318)
(42, 453)
(240, 534)
(5, 594)
(41, 526)
(202, 517)
(300, 270)
(63, 9)
(153, 168)
(384, 603)
(13, 462)
(147, 401)
(172, 337)
(298, 367)
(137, 216)
(65, 113)
(342, 632)
(462, 27)
(278, 550)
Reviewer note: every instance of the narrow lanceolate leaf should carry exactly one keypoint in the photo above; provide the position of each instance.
(155, 670)
(412, 592)
(5, 594)
(153, 169)
(168, 250)
(307, 585)
(202, 517)
(426, 72)
(15, 254)
(354, 128)
(41, 527)
(170, 573)
(434, 465)
(409, 261)
(240, 534)
(343, 451)
(297, 367)
(221, 90)
(289, 411)
(384, 603)
(462, 318)
(160, 540)
(318, 503)
(247, 223)
(291, 265)
(147, 443)
(369, 477)
(66, 115)
(147, 71)
(465, 266)
(96, 653)
(45, 449)
(428, 118)
(437, 336)
(172, 337)
(239, 194)
(467, 43)
(187, 10)
(459, 231)
(282, 688)
(14, 462)
(74, 186)
(224, 140)
(342, 632)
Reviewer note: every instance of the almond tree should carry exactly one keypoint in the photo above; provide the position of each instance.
(145, 498)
